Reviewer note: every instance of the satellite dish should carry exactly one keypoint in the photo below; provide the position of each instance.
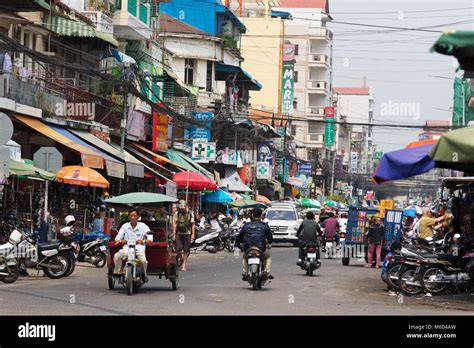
(6, 128)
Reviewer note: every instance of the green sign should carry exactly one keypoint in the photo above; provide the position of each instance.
(461, 109)
(329, 133)
(287, 90)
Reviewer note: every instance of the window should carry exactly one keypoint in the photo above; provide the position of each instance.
(209, 77)
(189, 71)
(295, 76)
(316, 128)
(293, 130)
(296, 49)
(287, 215)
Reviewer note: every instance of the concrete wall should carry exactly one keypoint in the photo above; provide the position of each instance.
(262, 59)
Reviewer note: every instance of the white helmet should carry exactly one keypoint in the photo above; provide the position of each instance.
(69, 219)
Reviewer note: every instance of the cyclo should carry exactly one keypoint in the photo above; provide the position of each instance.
(161, 257)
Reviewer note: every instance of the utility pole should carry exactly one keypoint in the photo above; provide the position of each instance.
(123, 124)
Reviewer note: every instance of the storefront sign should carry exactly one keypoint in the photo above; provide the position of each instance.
(203, 152)
(305, 169)
(263, 170)
(329, 131)
(92, 161)
(385, 204)
(265, 152)
(201, 132)
(354, 162)
(160, 132)
(114, 169)
(287, 84)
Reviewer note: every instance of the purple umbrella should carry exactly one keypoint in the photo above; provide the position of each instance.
(404, 163)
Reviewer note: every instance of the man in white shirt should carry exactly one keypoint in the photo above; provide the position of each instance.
(133, 230)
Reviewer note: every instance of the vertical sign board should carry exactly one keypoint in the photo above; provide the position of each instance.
(265, 152)
(201, 132)
(160, 132)
(384, 205)
(288, 82)
(329, 131)
(354, 162)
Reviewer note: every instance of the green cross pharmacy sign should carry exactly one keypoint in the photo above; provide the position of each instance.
(204, 152)
(263, 170)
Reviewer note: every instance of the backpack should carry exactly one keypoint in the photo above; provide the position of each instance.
(254, 236)
(182, 225)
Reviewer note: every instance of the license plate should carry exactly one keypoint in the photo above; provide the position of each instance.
(103, 248)
(131, 242)
(312, 256)
(254, 261)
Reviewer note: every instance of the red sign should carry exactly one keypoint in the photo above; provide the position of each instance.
(160, 132)
(329, 111)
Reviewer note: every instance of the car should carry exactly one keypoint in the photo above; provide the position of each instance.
(284, 223)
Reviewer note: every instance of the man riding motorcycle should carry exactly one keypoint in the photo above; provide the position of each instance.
(132, 230)
(308, 233)
(256, 233)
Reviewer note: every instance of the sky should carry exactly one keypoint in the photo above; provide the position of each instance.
(398, 64)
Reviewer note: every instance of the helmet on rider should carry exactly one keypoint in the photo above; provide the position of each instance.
(69, 220)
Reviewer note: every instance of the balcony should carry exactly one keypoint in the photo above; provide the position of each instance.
(315, 111)
(315, 140)
(206, 99)
(103, 23)
(320, 34)
(132, 22)
(318, 86)
(318, 60)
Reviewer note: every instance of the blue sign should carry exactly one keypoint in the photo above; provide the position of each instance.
(204, 131)
(305, 169)
(265, 152)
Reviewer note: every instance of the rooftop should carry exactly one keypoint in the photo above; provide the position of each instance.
(324, 4)
(169, 24)
(351, 90)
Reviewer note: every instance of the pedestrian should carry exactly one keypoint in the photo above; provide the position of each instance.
(374, 237)
(428, 223)
(183, 231)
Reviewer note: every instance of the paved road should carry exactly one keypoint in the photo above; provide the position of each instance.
(212, 285)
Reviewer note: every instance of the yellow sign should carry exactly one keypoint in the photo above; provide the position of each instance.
(385, 204)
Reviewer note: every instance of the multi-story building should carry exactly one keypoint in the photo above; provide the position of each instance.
(313, 72)
(354, 106)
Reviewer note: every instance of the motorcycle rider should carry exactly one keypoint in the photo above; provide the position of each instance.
(133, 230)
(331, 227)
(239, 221)
(256, 233)
(184, 225)
(308, 233)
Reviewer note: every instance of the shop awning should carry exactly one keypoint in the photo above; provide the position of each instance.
(187, 162)
(149, 161)
(281, 14)
(89, 157)
(27, 170)
(133, 166)
(232, 181)
(68, 27)
(114, 167)
(222, 70)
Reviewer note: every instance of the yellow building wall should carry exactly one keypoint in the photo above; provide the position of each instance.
(261, 50)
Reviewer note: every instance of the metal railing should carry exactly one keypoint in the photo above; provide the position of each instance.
(103, 23)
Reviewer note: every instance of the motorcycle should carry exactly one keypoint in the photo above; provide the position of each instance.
(448, 270)
(93, 252)
(208, 240)
(229, 237)
(310, 263)
(9, 270)
(46, 256)
(134, 276)
(255, 276)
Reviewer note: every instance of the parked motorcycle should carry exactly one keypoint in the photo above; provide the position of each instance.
(45, 256)
(330, 247)
(209, 240)
(229, 236)
(255, 276)
(9, 270)
(310, 263)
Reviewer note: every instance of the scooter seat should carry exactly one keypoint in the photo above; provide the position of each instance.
(448, 257)
(49, 245)
(428, 255)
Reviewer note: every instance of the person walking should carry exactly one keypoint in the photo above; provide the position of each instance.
(374, 238)
(183, 231)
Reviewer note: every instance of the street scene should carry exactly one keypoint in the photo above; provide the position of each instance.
(236, 157)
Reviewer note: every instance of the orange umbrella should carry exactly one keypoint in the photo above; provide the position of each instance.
(421, 143)
(81, 176)
(262, 199)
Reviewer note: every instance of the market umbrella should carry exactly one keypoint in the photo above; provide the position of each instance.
(404, 163)
(27, 170)
(330, 203)
(246, 203)
(310, 203)
(141, 198)
(193, 181)
(459, 44)
(455, 150)
(217, 196)
(262, 199)
(81, 176)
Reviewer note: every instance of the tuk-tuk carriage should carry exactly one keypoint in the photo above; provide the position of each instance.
(162, 258)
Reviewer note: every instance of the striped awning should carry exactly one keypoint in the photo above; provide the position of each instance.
(68, 27)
